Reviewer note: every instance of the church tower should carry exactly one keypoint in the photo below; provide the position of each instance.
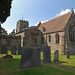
(21, 24)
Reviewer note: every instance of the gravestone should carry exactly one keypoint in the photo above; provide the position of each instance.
(4, 49)
(36, 58)
(29, 58)
(46, 54)
(13, 50)
(68, 54)
(56, 56)
(0, 49)
(19, 50)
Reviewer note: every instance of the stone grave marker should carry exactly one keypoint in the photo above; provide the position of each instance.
(30, 58)
(13, 50)
(68, 54)
(46, 54)
(4, 49)
(56, 56)
(19, 50)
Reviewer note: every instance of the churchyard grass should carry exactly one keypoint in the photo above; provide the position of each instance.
(64, 67)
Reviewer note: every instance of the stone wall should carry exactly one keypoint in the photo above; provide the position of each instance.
(33, 37)
(21, 24)
(53, 45)
(30, 37)
(22, 34)
(70, 45)
(65, 44)
(10, 41)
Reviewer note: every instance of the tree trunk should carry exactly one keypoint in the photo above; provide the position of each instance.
(0, 31)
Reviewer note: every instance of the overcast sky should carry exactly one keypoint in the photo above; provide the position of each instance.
(35, 11)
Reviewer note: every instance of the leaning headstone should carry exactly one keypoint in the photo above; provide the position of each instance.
(68, 54)
(46, 54)
(56, 56)
(19, 50)
(30, 58)
(13, 50)
(4, 49)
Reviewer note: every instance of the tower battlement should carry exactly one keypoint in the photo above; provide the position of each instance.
(21, 24)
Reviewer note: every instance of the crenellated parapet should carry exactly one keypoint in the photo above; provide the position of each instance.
(21, 24)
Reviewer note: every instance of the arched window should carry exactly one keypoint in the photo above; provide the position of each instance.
(49, 37)
(57, 38)
(71, 33)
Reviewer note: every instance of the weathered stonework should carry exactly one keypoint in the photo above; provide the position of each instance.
(39, 36)
(30, 37)
(56, 56)
(21, 24)
(46, 54)
(63, 30)
(30, 58)
(13, 50)
(19, 50)
(53, 45)
(4, 49)
(10, 41)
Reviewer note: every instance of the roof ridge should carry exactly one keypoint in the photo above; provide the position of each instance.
(57, 23)
(69, 17)
(57, 17)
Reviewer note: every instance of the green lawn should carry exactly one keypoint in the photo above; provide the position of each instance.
(64, 67)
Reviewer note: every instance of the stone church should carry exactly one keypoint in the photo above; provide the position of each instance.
(30, 36)
(59, 33)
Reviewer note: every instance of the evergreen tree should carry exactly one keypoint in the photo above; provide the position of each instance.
(3, 31)
(5, 6)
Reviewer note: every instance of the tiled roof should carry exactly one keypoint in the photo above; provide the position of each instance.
(56, 24)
